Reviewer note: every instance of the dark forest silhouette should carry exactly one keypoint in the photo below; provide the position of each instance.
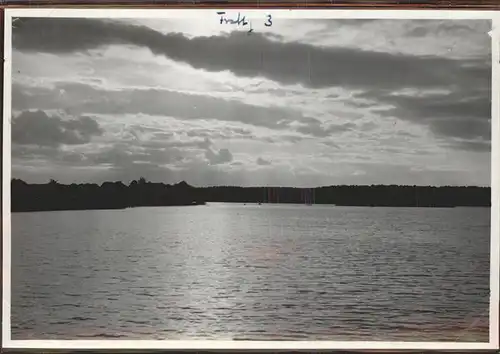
(116, 195)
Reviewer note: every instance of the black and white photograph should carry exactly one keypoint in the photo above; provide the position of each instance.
(235, 176)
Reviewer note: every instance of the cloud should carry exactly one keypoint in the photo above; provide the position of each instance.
(34, 152)
(215, 157)
(457, 39)
(226, 132)
(158, 102)
(448, 115)
(131, 156)
(316, 129)
(220, 157)
(262, 162)
(421, 28)
(257, 55)
(331, 144)
(470, 145)
(38, 128)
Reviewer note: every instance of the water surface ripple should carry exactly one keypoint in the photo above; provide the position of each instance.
(234, 271)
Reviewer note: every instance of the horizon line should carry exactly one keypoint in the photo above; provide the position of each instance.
(255, 186)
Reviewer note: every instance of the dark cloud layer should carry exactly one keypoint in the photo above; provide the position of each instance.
(159, 102)
(38, 128)
(452, 115)
(256, 55)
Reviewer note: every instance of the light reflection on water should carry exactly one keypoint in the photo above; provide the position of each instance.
(233, 271)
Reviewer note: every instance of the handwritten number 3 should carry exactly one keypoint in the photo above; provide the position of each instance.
(269, 22)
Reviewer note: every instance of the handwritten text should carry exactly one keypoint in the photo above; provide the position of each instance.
(242, 21)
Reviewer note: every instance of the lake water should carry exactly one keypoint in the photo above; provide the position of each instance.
(234, 271)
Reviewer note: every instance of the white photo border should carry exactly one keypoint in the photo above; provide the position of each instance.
(493, 344)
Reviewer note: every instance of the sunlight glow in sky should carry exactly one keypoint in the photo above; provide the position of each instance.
(302, 103)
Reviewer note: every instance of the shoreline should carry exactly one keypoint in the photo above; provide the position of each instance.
(54, 196)
(249, 204)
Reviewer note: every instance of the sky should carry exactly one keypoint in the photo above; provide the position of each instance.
(303, 103)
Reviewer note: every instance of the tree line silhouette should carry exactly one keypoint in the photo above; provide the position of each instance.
(116, 195)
